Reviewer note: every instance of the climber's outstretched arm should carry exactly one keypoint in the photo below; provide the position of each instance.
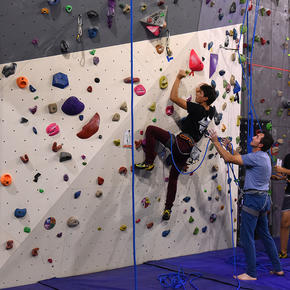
(174, 91)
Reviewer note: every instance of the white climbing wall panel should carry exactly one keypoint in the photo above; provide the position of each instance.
(97, 243)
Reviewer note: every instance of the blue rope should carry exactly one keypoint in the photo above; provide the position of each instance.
(132, 148)
(186, 173)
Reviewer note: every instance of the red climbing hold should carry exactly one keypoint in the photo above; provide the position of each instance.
(262, 101)
(90, 128)
(49, 260)
(268, 12)
(123, 170)
(9, 245)
(34, 252)
(56, 147)
(138, 221)
(195, 64)
(89, 89)
(149, 225)
(24, 158)
(128, 80)
(154, 29)
(263, 41)
(100, 180)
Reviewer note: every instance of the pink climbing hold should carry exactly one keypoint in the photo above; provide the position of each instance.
(52, 129)
(154, 29)
(169, 110)
(140, 90)
(195, 64)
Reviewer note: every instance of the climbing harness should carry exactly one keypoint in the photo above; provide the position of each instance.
(80, 29)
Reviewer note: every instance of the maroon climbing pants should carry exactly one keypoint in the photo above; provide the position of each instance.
(154, 134)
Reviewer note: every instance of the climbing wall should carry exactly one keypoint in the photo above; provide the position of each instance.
(97, 243)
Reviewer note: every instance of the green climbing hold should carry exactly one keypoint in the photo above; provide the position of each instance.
(225, 83)
(224, 95)
(279, 75)
(154, 120)
(211, 146)
(191, 219)
(84, 163)
(196, 231)
(269, 126)
(262, 11)
(163, 82)
(68, 8)
(41, 190)
(27, 229)
(117, 142)
(268, 111)
(280, 112)
(243, 29)
(242, 59)
(244, 89)
(238, 140)
(230, 21)
(35, 98)
(205, 190)
(92, 52)
(242, 1)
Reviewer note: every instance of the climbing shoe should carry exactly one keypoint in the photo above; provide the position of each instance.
(145, 166)
(283, 255)
(166, 214)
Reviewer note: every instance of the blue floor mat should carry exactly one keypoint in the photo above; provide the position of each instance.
(216, 268)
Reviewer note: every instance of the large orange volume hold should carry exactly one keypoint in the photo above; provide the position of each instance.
(90, 128)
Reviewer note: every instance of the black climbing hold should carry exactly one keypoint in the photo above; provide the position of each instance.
(36, 176)
(202, 58)
(233, 7)
(64, 47)
(100, 136)
(23, 120)
(192, 209)
(92, 14)
(32, 89)
(186, 199)
(209, 198)
(59, 235)
(210, 156)
(9, 70)
(64, 156)
(97, 80)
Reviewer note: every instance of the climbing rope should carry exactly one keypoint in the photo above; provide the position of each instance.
(132, 148)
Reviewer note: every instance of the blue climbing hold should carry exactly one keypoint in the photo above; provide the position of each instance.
(217, 93)
(204, 229)
(34, 130)
(209, 46)
(209, 198)
(214, 176)
(186, 199)
(81, 117)
(92, 32)
(165, 233)
(237, 87)
(77, 194)
(221, 72)
(53, 2)
(32, 89)
(235, 35)
(213, 84)
(192, 209)
(60, 80)
(20, 213)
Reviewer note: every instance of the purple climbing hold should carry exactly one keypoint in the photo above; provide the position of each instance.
(111, 12)
(72, 106)
(213, 64)
(65, 177)
(33, 110)
(96, 60)
(212, 217)
(207, 1)
(59, 235)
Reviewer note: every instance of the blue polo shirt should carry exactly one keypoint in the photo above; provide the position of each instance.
(258, 170)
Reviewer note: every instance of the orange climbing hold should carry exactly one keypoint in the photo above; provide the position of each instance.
(22, 82)
(6, 179)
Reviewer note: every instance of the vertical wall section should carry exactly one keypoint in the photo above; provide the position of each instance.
(97, 243)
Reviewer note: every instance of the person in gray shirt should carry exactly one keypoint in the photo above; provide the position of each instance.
(256, 200)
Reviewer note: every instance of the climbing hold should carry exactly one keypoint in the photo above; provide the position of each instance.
(149, 225)
(27, 230)
(96, 60)
(34, 252)
(44, 11)
(22, 82)
(191, 219)
(210, 156)
(117, 142)
(64, 46)
(217, 118)
(72, 222)
(20, 213)
(209, 198)
(233, 57)
(152, 108)
(195, 63)
(233, 7)
(224, 95)
(232, 80)
(154, 120)
(221, 15)
(6, 179)
(169, 110)
(238, 139)
(145, 202)
(116, 117)
(269, 126)
(124, 107)
(279, 93)
(155, 30)
(92, 32)
(159, 48)
(9, 244)
(72, 106)
(212, 218)
(219, 188)
(143, 7)
(204, 229)
(210, 45)
(126, 9)
(214, 176)
(92, 14)
(196, 231)
(123, 170)
(268, 111)
(77, 194)
(140, 90)
(222, 207)
(165, 233)
(90, 128)
(9, 69)
(123, 228)
(224, 106)
(213, 64)
(186, 199)
(36, 176)
(224, 127)
(60, 80)
(280, 112)
(192, 209)
(100, 180)
(24, 158)
(68, 8)
(53, 2)
(163, 82)
(65, 177)
(239, 120)
(228, 88)
(221, 72)
(41, 190)
(56, 147)
(99, 193)
(213, 84)
(89, 89)
(32, 89)
(49, 223)
(33, 110)
(52, 129)
(64, 156)
(128, 80)
(52, 108)
(49, 260)
(262, 101)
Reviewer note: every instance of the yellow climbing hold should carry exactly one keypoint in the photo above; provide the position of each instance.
(123, 228)
(239, 120)
(219, 188)
(224, 127)
(163, 82)
(117, 142)
(152, 108)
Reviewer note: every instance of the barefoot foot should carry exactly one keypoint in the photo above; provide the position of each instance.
(245, 277)
(280, 273)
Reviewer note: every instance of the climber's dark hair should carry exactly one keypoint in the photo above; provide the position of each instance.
(209, 93)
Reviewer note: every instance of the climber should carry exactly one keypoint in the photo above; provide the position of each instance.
(192, 127)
